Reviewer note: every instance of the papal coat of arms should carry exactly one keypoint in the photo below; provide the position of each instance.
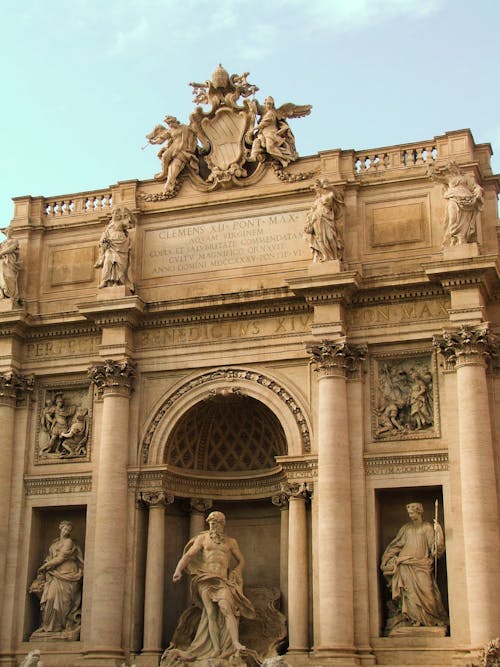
(231, 142)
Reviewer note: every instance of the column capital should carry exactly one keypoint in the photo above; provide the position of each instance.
(155, 498)
(113, 377)
(297, 490)
(13, 386)
(332, 359)
(468, 345)
(200, 505)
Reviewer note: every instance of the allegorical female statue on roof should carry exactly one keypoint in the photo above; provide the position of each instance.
(464, 201)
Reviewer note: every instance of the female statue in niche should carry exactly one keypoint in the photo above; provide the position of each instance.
(9, 268)
(59, 586)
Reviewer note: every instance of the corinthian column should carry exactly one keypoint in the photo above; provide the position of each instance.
(114, 382)
(469, 350)
(335, 634)
(11, 387)
(156, 501)
(298, 570)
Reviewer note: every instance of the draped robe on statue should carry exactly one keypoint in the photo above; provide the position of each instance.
(408, 564)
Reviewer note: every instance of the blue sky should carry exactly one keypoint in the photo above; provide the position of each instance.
(85, 80)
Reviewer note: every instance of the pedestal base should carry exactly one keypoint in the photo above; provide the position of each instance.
(463, 251)
(420, 631)
(113, 292)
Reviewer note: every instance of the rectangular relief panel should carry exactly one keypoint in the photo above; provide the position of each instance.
(71, 265)
(404, 397)
(394, 225)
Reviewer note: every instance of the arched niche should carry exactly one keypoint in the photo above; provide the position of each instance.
(219, 384)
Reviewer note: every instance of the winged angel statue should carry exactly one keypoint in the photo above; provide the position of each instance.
(228, 143)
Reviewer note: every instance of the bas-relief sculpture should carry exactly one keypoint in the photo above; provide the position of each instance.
(59, 586)
(9, 268)
(324, 223)
(115, 250)
(405, 399)
(226, 144)
(64, 426)
(409, 564)
(464, 201)
(208, 632)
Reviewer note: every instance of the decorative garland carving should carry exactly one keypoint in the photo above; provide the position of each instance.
(469, 344)
(229, 375)
(406, 464)
(44, 486)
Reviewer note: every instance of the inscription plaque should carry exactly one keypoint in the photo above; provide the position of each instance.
(228, 244)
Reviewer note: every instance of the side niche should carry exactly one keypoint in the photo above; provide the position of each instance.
(404, 397)
(411, 563)
(64, 420)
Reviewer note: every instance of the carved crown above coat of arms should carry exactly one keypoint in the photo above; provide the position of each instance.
(231, 143)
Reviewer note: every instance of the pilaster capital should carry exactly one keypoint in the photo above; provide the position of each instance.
(113, 377)
(154, 499)
(296, 490)
(200, 505)
(13, 386)
(332, 359)
(468, 345)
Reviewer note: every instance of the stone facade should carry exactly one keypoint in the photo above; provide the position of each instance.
(194, 358)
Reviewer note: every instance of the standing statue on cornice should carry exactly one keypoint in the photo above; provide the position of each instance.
(273, 136)
(9, 267)
(179, 150)
(464, 197)
(324, 223)
(115, 250)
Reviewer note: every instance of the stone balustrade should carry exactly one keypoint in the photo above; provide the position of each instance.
(81, 204)
(410, 155)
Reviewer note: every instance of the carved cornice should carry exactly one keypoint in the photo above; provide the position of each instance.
(44, 486)
(113, 376)
(467, 345)
(335, 359)
(229, 375)
(116, 312)
(180, 484)
(153, 499)
(299, 468)
(13, 387)
(338, 287)
(406, 463)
